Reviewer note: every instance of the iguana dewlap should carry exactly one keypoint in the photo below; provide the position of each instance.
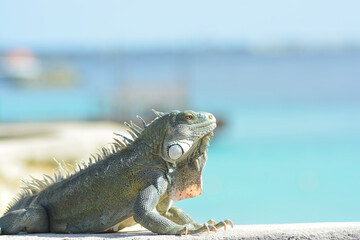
(187, 182)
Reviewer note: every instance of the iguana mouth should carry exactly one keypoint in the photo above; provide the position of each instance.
(205, 142)
(204, 129)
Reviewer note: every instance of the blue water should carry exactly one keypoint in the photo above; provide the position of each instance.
(283, 163)
(289, 150)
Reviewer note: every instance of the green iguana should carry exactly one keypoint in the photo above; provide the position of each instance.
(134, 181)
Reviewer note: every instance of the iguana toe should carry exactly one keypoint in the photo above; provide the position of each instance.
(211, 221)
(221, 224)
(185, 230)
(203, 229)
(206, 227)
(227, 221)
(189, 229)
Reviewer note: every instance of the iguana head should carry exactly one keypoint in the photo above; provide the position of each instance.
(180, 139)
(185, 141)
(187, 135)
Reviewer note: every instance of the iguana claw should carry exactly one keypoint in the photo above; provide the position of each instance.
(227, 221)
(185, 230)
(210, 226)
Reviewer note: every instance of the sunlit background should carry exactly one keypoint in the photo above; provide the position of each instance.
(282, 78)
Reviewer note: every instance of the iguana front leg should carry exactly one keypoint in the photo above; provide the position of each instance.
(178, 216)
(175, 214)
(146, 214)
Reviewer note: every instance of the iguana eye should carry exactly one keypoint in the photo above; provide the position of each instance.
(189, 117)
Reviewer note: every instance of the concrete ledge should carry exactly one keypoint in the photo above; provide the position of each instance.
(346, 230)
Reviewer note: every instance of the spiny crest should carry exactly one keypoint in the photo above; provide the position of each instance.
(34, 186)
(157, 113)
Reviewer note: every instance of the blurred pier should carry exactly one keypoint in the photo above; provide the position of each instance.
(139, 97)
(98, 86)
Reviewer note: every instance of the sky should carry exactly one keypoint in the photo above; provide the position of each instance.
(162, 23)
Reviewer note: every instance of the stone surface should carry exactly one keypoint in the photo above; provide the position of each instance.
(346, 230)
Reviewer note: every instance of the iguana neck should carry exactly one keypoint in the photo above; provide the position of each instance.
(148, 146)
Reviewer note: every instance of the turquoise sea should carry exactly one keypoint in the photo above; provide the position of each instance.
(283, 163)
(289, 148)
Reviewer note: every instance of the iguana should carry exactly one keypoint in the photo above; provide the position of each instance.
(134, 181)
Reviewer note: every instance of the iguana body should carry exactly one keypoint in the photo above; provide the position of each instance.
(135, 182)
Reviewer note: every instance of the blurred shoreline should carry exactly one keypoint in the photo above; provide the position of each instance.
(29, 149)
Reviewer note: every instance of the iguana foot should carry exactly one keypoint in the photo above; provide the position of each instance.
(210, 225)
(221, 223)
(190, 229)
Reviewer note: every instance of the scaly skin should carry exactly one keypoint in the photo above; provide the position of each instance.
(135, 183)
